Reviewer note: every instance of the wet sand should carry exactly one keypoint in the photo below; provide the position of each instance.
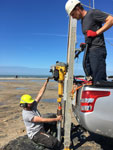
(11, 123)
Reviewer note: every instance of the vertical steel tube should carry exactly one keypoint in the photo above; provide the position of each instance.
(59, 112)
(93, 4)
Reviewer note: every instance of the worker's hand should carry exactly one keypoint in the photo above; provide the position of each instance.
(47, 80)
(91, 33)
(59, 118)
(82, 45)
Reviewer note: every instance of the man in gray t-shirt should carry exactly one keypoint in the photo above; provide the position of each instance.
(35, 123)
(32, 127)
(92, 29)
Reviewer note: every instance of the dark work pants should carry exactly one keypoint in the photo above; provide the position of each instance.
(46, 139)
(96, 65)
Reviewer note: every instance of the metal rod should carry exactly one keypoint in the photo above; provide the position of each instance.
(59, 131)
(59, 123)
(89, 3)
(93, 4)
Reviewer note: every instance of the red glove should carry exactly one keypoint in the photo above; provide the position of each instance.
(91, 33)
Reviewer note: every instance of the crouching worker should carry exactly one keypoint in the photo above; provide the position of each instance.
(34, 122)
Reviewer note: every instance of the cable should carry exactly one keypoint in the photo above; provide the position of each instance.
(93, 8)
(109, 42)
(87, 6)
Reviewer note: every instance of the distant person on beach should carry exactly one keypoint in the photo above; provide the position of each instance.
(36, 125)
(16, 76)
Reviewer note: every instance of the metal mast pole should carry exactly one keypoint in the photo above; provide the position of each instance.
(68, 84)
(93, 4)
(89, 3)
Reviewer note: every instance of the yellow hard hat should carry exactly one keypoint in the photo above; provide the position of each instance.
(26, 99)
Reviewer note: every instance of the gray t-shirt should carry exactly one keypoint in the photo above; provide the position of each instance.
(31, 127)
(93, 20)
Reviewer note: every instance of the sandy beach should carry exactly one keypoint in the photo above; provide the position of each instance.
(11, 123)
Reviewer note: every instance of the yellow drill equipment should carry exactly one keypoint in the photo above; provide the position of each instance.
(59, 71)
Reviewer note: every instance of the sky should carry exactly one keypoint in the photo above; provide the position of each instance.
(34, 33)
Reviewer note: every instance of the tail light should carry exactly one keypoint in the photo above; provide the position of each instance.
(89, 98)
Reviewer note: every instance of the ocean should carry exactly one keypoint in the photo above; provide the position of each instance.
(24, 76)
(33, 78)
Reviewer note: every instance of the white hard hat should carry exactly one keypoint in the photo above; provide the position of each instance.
(70, 5)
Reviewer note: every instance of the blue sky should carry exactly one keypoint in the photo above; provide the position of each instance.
(33, 33)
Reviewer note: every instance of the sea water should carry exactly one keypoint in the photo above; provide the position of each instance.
(13, 78)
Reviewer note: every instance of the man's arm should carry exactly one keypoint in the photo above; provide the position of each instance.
(40, 119)
(106, 26)
(41, 92)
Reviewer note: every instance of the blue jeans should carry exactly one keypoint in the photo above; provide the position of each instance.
(96, 65)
